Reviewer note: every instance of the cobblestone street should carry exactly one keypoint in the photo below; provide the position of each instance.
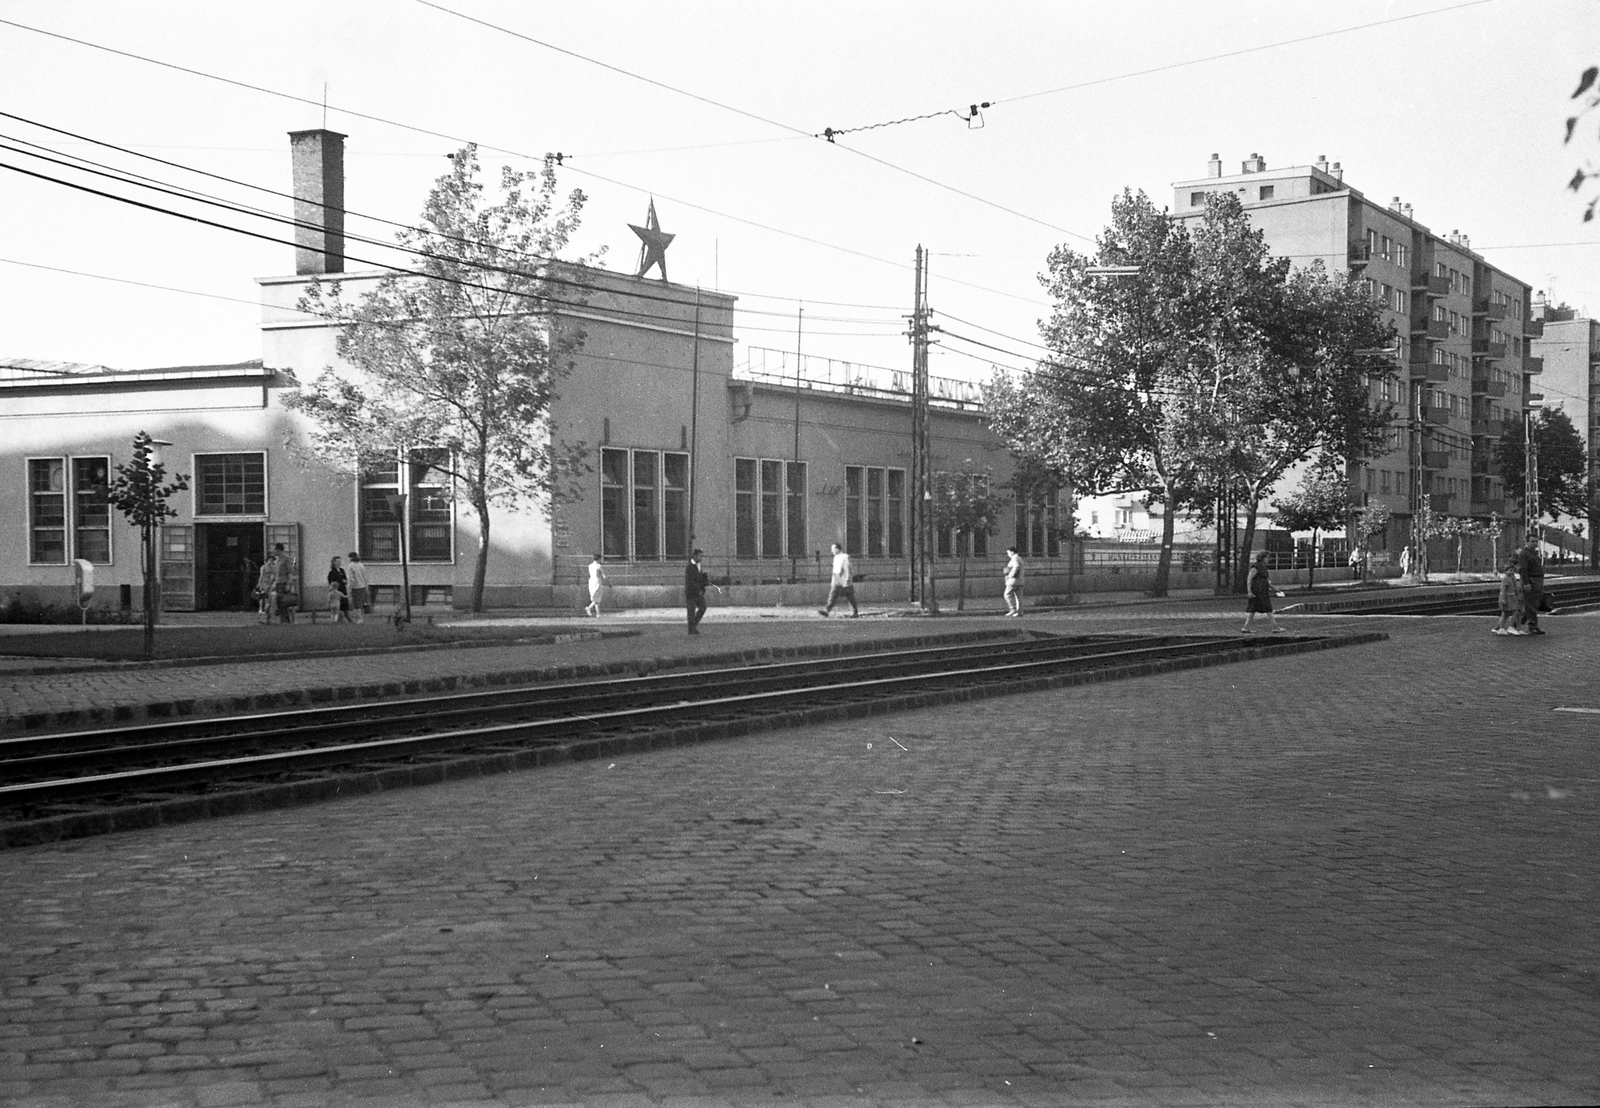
(1356, 876)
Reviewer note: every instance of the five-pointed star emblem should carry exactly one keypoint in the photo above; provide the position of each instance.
(654, 243)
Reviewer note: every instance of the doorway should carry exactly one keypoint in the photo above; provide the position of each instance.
(228, 557)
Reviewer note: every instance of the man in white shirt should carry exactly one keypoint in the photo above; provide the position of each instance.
(1013, 582)
(841, 585)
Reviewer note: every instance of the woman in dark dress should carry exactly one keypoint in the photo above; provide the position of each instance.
(1260, 596)
(338, 592)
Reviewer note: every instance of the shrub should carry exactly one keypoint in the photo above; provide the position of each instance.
(22, 609)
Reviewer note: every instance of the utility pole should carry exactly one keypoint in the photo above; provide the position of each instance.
(1530, 475)
(921, 485)
(1419, 542)
(789, 492)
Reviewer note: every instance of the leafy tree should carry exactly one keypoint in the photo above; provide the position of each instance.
(459, 356)
(1372, 519)
(1563, 466)
(1103, 410)
(138, 493)
(963, 503)
(1589, 91)
(1321, 503)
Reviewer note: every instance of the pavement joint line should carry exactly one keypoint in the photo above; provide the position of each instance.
(198, 707)
(238, 801)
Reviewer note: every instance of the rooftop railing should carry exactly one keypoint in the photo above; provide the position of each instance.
(786, 368)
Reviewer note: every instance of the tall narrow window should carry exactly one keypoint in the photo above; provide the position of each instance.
(47, 511)
(91, 511)
(771, 510)
(744, 507)
(897, 513)
(875, 513)
(854, 492)
(379, 539)
(675, 505)
(646, 524)
(796, 514)
(431, 523)
(614, 503)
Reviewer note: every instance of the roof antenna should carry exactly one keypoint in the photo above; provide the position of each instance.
(324, 105)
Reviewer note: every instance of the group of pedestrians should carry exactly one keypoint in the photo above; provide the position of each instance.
(1522, 596)
(349, 591)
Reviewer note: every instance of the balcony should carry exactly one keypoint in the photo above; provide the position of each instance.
(1493, 428)
(1440, 416)
(1481, 464)
(1487, 348)
(1435, 329)
(1495, 507)
(1435, 459)
(1428, 371)
(1482, 386)
(1529, 399)
(1430, 286)
(1532, 364)
(1533, 328)
(1486, 310)
(1439, 501)
(1360, 255)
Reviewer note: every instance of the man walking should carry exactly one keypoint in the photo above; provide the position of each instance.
(695, 582)
(840, 584)
(360, 587)
(1013, 582)
(1530, 569)
(284, 597)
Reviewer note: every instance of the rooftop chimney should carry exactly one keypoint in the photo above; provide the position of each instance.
(1336, 173)
(1254, 164)
(318, 158)
(1322, 162)
(1406, 210)
(1394, 205)
(1214, 167)
(1539, 305)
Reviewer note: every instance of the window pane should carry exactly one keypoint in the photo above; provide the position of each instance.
(91, 509)
(614, 503)
(874, 513)
(646, 517)
(853, 492)
(744, 507)
(47, 507)
(896, 522)
(429, 506)
(675, 505)
(230, 484)
(771, 511)
(796, 521)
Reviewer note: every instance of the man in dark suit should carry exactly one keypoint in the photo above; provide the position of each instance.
(695, 583)
(1530, 569)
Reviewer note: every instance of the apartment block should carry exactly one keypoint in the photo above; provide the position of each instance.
(1464, 327)
(1570, 352)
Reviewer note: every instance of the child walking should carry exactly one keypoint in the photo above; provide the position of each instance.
(1510, 602)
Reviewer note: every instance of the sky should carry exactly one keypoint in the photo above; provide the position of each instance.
(712, 109)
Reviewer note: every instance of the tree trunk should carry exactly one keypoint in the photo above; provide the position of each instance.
(1169, 519)
(480, 569)
(1241, 569)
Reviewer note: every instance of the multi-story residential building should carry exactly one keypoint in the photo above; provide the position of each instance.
(1570, 351)
(1464, 329)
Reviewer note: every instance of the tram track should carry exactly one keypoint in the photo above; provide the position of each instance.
(84, 782)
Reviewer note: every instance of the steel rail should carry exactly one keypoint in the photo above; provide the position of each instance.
(566, 726)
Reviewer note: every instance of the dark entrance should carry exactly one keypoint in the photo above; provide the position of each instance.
(228, 556)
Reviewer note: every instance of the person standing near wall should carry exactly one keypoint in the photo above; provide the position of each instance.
(1260, 596)
(695, 583)
(840, 583)
(338, 591)
(1013, 582)
(266, 586)
(597, 584)
(360, 587)
(284, 598)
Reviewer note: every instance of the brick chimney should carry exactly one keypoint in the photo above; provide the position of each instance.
(1214, 167)
(1255, 163)
(318, 159)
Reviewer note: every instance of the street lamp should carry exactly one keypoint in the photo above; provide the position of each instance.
(397, 505)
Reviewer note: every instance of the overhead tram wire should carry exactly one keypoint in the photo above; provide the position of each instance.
(797, 131)
(195, 194)
(272, 217)
(398, 271)
(481, 145)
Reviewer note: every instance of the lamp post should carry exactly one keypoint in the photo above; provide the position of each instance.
(397, 505)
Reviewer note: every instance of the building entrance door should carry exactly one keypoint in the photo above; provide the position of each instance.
(228, 556)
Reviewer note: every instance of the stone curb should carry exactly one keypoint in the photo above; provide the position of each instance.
(328, 694)
(451, 768)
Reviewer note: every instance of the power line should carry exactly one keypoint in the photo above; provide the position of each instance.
(484, 146)
(140, 284)
(752, 115)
